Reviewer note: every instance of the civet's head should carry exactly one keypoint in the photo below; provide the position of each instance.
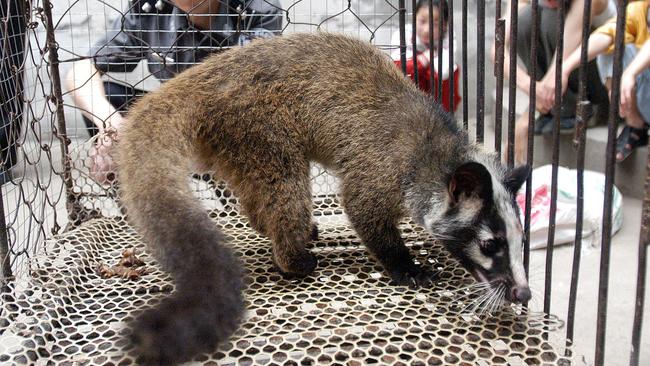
(478, 222)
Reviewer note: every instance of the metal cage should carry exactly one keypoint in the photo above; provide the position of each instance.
(61, 230)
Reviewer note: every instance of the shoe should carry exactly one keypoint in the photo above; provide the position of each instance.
(543, 124)
(567, 125)
(629, 139)
(601, 116)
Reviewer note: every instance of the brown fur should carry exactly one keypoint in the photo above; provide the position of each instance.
(257, 116)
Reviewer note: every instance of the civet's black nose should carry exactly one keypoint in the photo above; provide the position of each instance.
(520, 294)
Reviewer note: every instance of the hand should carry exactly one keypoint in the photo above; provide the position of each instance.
(565, 81)
(545, 94)
(628, 91)
(423, 58)
(102, 167)
(540, 106)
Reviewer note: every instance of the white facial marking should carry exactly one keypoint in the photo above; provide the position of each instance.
(484, 233)
(514, 233)
(506, 211)
(479, 258)
(475, 253)
(436, 222)
(467, 210)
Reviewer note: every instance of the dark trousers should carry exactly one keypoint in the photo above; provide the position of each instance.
(12, 53)
(120, 96)
(546, 45)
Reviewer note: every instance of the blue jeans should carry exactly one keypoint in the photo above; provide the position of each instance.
(606, 69)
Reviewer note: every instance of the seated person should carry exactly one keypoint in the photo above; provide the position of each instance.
(601, 11)
(635, 81)
(440, 11)
(198, 28)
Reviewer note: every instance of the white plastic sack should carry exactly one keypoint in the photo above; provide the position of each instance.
(566, 212)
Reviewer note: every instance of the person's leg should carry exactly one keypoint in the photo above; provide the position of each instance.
(548, 46)
(545, 46)
(521, 138)
(120, 96)
(524, 41)
(634, 118)
(635, 132)
(547, 42)
(638, 117)
(597, 93)
(570, 98)
(595, 90)
(605, 65)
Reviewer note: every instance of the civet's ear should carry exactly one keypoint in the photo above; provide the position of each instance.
(516, 177)
(470, 180)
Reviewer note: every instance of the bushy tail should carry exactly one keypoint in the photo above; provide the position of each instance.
(207, 306)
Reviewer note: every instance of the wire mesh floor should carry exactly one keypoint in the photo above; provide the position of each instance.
(345, 313)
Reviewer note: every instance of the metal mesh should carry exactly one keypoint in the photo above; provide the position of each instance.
(373, 20)
(55, 307)
(33, 203)
(47, 157)
(344, 313)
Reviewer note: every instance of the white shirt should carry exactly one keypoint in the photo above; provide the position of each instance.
(419, 45)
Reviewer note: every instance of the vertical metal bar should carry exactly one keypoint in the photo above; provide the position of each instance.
(577, 248)
(499, 41)
(557, 108)
(512, 81)
(534, 33)
(414, 44)
(4, 245)
(450, 31)
(580, 141)
(610, 172)
(14, 50)
(480, 71)
(439, 52)
(464, 67)
(72, 204)
(497, 13)
(432, 70)
(402, 34)
(644, 237)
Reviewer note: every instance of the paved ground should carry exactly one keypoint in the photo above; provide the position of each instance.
(623, 269)
(622, 289)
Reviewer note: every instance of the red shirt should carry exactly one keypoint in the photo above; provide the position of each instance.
(424, 82)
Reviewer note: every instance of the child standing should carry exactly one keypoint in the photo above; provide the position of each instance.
(440, 14)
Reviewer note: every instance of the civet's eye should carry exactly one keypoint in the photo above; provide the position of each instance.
(489, 247)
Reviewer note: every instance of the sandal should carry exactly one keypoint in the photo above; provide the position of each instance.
(629, 139)
(543, 124)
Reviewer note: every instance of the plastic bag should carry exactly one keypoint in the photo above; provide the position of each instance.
(566, 212)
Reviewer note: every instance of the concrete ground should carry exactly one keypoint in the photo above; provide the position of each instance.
(630, 177)
(622, 289)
